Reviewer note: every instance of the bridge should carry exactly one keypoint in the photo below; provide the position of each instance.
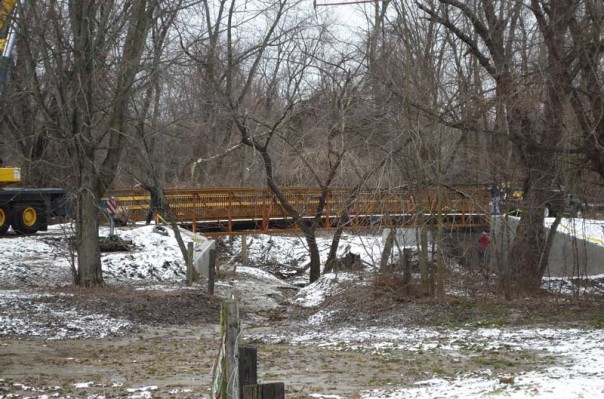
(234, 211)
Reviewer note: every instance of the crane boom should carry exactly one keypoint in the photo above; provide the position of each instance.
(8, 175)
(7, 26)
(26, 210)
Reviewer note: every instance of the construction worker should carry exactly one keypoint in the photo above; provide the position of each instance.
(155, 205)
(483, 246)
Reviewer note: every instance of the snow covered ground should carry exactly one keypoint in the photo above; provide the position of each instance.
(31, 267)
(578, 354)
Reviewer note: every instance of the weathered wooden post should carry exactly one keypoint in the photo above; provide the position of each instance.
(274, 390)
(212, 271)
(248, 378)
(190, 263)
(248, 367)
(244, 252)
(230, 325)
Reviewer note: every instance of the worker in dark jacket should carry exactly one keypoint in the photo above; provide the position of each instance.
(156, 205)
(495, 202)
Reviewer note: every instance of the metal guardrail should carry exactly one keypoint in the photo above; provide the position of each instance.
(225, 211)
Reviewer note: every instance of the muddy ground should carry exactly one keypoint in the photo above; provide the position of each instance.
(170, 350)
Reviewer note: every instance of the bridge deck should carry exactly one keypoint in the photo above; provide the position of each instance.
(226, 211)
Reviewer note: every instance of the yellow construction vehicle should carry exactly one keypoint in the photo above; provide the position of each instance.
(27, 210)
(9, 176)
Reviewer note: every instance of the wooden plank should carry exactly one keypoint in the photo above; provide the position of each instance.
(231, 318)
(245, 260)
(190, 263)
(275, 390)
(272, 390)
(250, 392)
(248, 367)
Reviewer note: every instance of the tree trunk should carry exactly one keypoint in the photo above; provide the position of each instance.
(343, 221)
(406, 263)
(423, 256)
(440, 254)
(420, 210)
(89, 273)
(387, 248)
(315, 256)
(333, 249)
(528, 247)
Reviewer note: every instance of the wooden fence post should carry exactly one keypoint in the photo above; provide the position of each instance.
(230, 323)
(248, 367)
(274, 390)
(244, 252)
(211, 271)
(190, 263)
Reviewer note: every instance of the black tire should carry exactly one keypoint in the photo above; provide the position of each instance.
(26, 219)
(5, 218)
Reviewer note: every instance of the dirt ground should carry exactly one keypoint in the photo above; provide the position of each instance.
(176, 338)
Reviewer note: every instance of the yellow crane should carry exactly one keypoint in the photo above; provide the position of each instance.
(6, 11)
(8, 175)
(26, 210)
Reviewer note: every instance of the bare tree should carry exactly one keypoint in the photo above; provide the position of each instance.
(272, 87)
(408, 79)
(529, 108)
(91, 69)
(584, 75)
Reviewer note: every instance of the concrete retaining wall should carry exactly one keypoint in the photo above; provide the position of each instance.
(571, 255)
(201, 252)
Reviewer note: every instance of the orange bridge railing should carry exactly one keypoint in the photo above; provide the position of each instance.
(227, 211)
